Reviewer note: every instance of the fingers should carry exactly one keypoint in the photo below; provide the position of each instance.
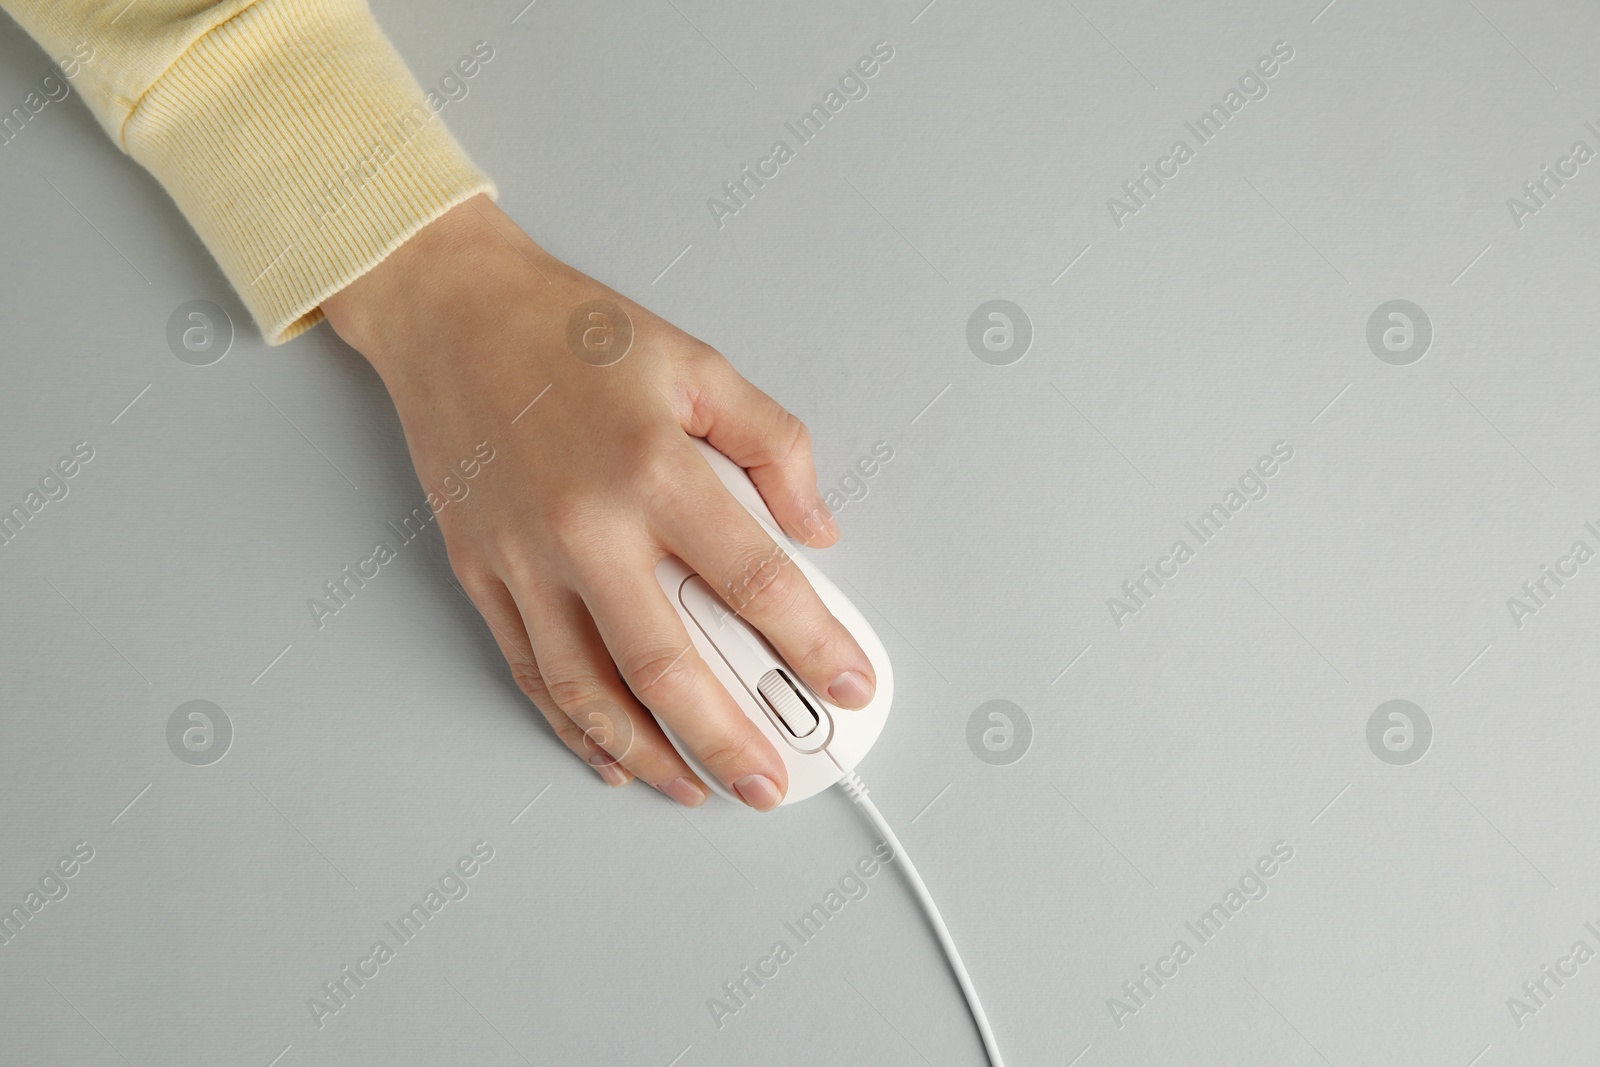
(649, 645)
(499, 609)
(583, 682)
(716, 536)
(759, 434)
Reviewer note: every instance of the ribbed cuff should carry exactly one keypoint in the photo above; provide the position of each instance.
(299, 146)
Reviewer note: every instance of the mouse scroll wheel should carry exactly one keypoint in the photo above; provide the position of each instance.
(780, 693)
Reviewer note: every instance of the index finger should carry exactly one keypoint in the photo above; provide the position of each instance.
(714, 534)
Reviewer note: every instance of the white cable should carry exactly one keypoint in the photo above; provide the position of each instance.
(857, 792)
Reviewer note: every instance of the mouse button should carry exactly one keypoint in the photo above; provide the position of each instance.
(791, 707)
(723, 627)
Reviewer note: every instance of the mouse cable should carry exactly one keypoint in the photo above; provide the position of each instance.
(852, 785)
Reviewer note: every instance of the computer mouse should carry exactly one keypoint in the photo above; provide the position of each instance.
(819, 742)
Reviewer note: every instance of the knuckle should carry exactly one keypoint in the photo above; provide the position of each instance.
(530, 681)
(694, 350)
(766, 585)
(788, 439)
(513, 558)
(470, 569)
(733, 751)
(568, 517)
(796, 435)
(573, 692)
(566, 527)
(658, 466)
(661, 473)
(645, 759)
(658, 671)
(700, 400)
(558, 508)
(823, 647)
(567, 732)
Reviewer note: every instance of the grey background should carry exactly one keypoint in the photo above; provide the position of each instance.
(1229, 714)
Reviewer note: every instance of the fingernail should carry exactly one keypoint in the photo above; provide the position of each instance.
(609, 769)
(850, 690)
(826, 512)
(758, 791)
(818, 521)
(684, 792)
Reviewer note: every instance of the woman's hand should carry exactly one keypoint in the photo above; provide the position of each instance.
(468, 323)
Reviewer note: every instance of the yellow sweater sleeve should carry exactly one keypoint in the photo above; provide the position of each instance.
(289, 132)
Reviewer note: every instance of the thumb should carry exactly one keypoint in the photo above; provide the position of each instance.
(762, 436)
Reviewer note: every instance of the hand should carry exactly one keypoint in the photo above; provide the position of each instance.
(557, 538)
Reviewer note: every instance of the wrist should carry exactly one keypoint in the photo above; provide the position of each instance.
(456, 264)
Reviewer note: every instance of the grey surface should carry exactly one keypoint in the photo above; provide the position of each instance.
(1166, 756)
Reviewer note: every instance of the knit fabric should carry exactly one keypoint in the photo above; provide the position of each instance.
(290, 133)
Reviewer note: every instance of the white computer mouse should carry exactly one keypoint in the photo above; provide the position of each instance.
(818, 741)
